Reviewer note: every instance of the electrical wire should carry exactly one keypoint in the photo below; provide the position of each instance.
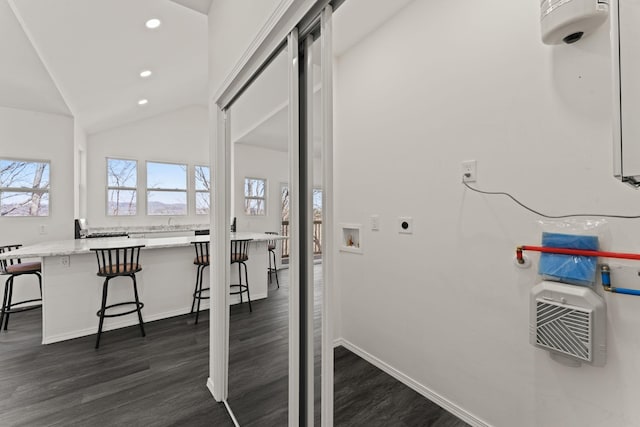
(518, 202)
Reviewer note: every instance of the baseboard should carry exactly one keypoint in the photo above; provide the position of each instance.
(415, 385)
(117, 325)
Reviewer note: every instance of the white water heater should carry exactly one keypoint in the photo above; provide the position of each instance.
(567, 21)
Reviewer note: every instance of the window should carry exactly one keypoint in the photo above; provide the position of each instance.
(24, 188)
(122, 181)
(166, 189)
(203, 197)
(254, 196)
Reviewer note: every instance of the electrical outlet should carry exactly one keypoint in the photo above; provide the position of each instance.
(469, 171)
(42, 229)
(405, 225)
(65, 261)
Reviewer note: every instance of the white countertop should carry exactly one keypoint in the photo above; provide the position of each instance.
(83, 246)
(162, 228)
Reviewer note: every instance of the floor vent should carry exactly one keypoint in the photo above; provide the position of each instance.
(570, 321)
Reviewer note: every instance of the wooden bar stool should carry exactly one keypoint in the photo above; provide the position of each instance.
(14, 268)
(240, 254)
(271, 247)
(201, 261)
(112, 263)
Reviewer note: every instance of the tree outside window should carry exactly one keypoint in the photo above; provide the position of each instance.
(122, 181)
(24, 188)
(254, 196)
(203, 190)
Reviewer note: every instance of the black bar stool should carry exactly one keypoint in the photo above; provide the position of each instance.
(14, 268)
(202, 261)
(240, 254)
(112, 263)
(271, 246)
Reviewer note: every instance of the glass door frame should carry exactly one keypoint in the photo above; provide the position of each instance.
(256, 58)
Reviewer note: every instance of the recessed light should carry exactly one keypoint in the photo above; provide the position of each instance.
(153, 23)
(145, 73)
(143, 102)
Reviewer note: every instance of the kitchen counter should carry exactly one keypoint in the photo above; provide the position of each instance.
(83, 246)
(71, 290)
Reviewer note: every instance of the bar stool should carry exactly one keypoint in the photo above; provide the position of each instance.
(271, 246)
(14, 268)
(202, 261)
(240, 254)
(112, 263)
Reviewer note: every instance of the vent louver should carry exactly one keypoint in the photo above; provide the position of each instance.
(569, 321)
(564, 329)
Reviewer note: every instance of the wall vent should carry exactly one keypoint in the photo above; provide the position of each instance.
(570, 321)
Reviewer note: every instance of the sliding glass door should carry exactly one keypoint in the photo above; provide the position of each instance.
(272, 363)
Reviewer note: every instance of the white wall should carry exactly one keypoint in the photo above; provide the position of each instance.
(179, 137)
(233, 24)
(449, 81)
(32, 135)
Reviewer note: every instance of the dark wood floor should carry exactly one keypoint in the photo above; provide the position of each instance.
(160, 380)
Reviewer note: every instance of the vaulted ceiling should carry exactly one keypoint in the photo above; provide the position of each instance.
(84, 57)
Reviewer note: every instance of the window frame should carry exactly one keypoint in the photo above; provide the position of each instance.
(28, 190)
(167, 190)
(110, 188)
(264, 198)
(196, 191)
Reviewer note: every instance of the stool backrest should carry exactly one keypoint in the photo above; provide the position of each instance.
(7, 262)
(118, 261)
(202, 252)
(271, 242)
(240, 250)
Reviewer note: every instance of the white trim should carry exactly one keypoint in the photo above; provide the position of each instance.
(231, 414)
(115, 325)
(326, 351)
(294, 230)
(286, 16)
(220, 222)
(414, 385)
(210, 386)
(307, 199)
(616, 119)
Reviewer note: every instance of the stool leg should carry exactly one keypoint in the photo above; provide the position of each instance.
(4, 301)
(199, 293)
(240, 281)
(139, 309)
(270, 269)
(102, 310)
(275, 268)
(195, 291)
(39, 283)
(8, 305)
(246, 281)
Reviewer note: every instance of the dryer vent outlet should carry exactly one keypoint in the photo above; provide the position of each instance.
(569, 321)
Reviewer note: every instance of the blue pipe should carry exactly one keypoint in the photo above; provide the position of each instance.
(606, 283)
(626, 291)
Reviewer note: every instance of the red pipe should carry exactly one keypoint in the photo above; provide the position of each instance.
(566, 251)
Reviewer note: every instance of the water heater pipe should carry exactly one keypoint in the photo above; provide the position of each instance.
(567, 251)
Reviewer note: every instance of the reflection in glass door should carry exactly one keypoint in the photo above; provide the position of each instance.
(259, 336)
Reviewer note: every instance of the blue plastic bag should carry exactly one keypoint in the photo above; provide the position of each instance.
(574, 269)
